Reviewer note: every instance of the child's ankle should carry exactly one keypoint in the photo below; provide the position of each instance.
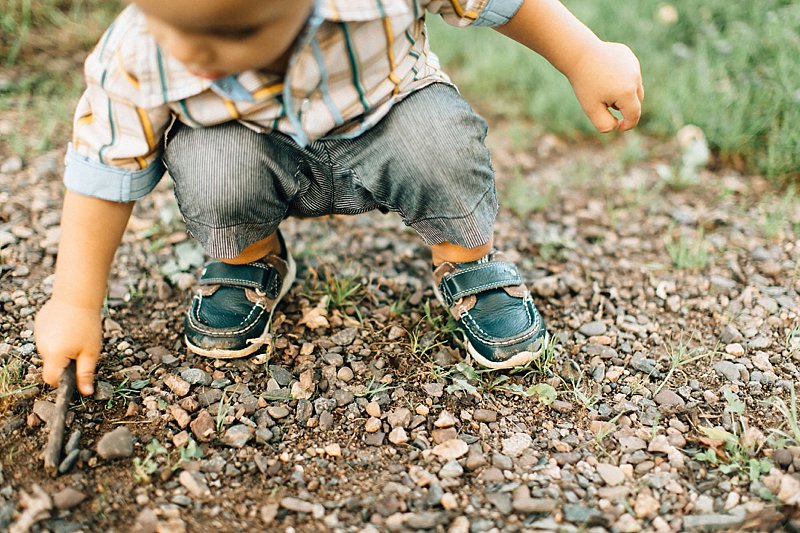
(257, 250)
(453, 253)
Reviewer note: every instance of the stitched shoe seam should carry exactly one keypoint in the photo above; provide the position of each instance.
(479, 267)
(479, 288)
(198, 327)
(484, 337)
(236, 282)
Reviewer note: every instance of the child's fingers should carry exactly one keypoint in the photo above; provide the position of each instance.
(602, 118)
(631, 109)
(53, 366)
(84, 372)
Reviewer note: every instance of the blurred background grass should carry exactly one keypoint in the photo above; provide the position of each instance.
(728, 66)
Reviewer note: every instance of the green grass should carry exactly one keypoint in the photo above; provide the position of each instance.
(12, 381)
(688, 252)
(518, 198)
(728, 67)
(42, 44)
(22, 20)
(341, 285)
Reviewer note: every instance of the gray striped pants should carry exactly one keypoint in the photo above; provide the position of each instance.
(425, 160)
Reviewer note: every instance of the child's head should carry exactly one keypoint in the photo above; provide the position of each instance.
(214, 38)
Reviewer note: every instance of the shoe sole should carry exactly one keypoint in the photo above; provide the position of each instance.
(261, 340)
(517, 360)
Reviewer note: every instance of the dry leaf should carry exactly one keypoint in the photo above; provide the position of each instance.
(315, 318)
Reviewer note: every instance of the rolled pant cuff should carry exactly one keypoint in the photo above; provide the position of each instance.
(229, 242)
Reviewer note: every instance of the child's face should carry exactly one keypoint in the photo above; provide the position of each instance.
(215, 38)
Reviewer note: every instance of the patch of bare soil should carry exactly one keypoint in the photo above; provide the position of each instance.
(672, 300)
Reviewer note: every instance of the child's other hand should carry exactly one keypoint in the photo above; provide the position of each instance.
(65, 332)
(608, 76)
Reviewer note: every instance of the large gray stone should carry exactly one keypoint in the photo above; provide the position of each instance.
(116, 444)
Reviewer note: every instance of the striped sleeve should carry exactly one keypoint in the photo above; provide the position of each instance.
(461, 13)
(116, 146)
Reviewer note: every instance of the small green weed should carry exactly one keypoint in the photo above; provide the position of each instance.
(341, 288)
(439, 320)
(606, 429)
(189, 452)
(372, 389)
(583, 393)
(554, 247)
(398, 306)
(544, 393)
(774, 214)
(421, 344)
(687, 252)
(144, 468)
(123, 392)
(12, 379)
(736, 451)
(680, 356)
(222, 411)
(792, 342)
(789, 411)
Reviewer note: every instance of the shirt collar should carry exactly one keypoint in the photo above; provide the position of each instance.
(229, 87)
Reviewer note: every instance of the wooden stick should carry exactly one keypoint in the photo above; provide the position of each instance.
(58, 422)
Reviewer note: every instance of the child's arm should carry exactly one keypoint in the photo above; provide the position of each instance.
(602, 74)
(68, 326)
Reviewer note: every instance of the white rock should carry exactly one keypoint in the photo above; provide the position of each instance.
(449, 502)
(460, 524)
(334, 450)
(301, 506)
(789, 490)
(372, 425)
(451, 469)
(451, 449)
(646, 506)
(516, 444)
(177, 384)
(761, 362)
(398, 436)
(195, 483)
(660, 444)
(373, 409)
(400, 417)
(445, 420)
(735, 349)
(299, 392)
(627, 524)
(611, 474)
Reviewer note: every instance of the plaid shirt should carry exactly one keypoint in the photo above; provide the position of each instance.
(353, 60)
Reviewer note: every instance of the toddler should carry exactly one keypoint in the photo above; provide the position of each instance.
(264, 109)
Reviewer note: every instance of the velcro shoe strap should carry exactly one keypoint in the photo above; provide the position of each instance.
(252, 276)
(477, 279)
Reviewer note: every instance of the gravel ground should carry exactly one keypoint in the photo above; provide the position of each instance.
(671, 292)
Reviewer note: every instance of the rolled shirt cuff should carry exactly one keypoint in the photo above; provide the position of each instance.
(497, 12)
(92, 178)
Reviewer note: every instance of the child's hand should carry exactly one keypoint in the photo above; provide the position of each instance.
(64, 332)
(608, 75)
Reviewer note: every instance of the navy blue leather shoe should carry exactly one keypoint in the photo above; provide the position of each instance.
(494, 309)
(232, 309)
